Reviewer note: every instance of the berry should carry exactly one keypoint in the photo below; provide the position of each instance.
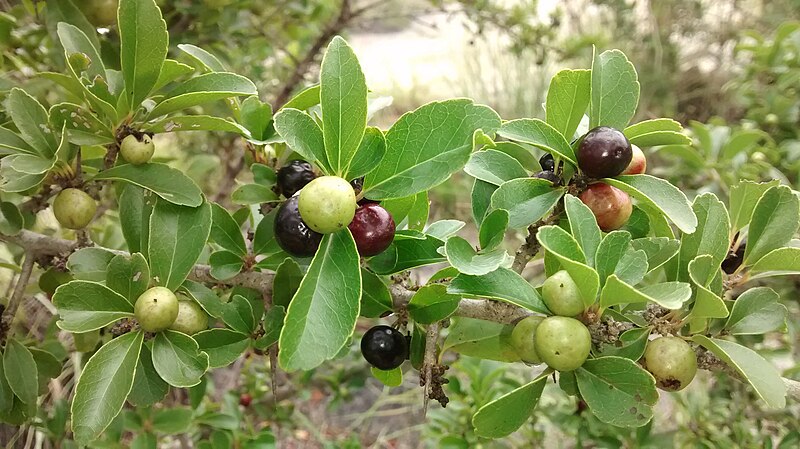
(245, 400)
(562, 343)
(294, 176)
(384, 347)
(604, 152)
(561, 295)
(372, 228)
(611, 206)
(101, 13)
(638, 163)
(137, 151)
(671, 361)
(191, 318)
(547, 162)
(550, 176)
(74, 208)
(292, 233)
(327, 204)
(156, 309)
(522, 339)
(734, 259)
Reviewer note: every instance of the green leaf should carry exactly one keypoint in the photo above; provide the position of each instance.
(778, 262)
(375, 297)
(239, 315)
(743, 199)
(143, 47)
(177, 237)
(527, 200)
(618, 391)
(707, 304)
(404, 254)
(128, 275)
(503, 285)
(247, 194)
(204, 89)
(90, 264)
(148, 387)
(494, 167)
(670, 295)
(74, 40)
(264, 242)
(171, 71)
(65, 11)
(225, 231)
(20, 371)
(539, 134)
(47, 366)
(479, 338)
(172, 420)
(85, 306)
(178, 123)
(178, 359)
(14, 181)
(303, 135)
(710, 237)
(659, 197)
(775, 220)
(493, 229)
(661, 138)
(206, 297)
(256, 117)
(632, 267)
(432, 303)
(369, 153)
(631, 344)
(567, 100)
(225, 265)
(443, 229)
(11, 143)
(103, 386)
(223, 346)
(481, 197)
(424, 147)
(615, 90)
(417, 216)
(163, 180)
(756, 311)
(390, 378)
(560, 244)
(31, 119)
(332, 285)
(763, 377)
(273, 323)
(611, 250)
(343, 98)
(305, 99)
(286, 282)
(208, 61)
(463, 257)
(658, 249)
(11, 221)
(135, 206)
(84, 128)
(504, 415)
(584, 227)
(653, 132)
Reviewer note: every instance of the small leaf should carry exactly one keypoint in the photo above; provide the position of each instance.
(567, 100)
(225, 265)
(105, 382)
(273, 324)
(85, 306)
(611, 250)
(432, 303)
(584, 227)
(618, 391)
(504, 415)
(744, 197)
(143, 47)
(775, 220)
(257, 117)
(305, 99)
(303, 135)
(206, 297)
(764, 378)
(539, 134)
(670, 295)
(225, 231)
(20, 371)
(756, 311)
(501, 284)
(615, 90)
(223, 346)
(239, 315)
(179, 123)
(709, 238)
(707, 304)
(204, 89)
(31, 119)
(286, 282)
(463, 257)
(404, 254)
(481, 197)
(493, 229)
(479, 338)
(83, 126)
(177, 237)
(631, 344)
(208, 61)
(443, 229)
(390, 378)
(778, 262)
(566, 250)
(660, 197)
(165, 181)
(172, 420)
(527, 200)
(128, 275)
(90, 264)
(171, 71)
(135, 206)
(11, 221)
(148, 387)
(375, 297)
(178, 359)
(247, 194)
(494, 167)
(369, 153)
(658, 250)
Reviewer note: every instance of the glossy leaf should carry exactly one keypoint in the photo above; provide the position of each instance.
(432, 303)
(178, 360)
(618, 391)
(204, 89)
(165, 181)
(303, 135)
(390, 378)
(539, 134)
(567, 100)
(658, 196)
(404, 254)
(463, 257)
(368, 155)
(527, 200)
(177, 237)
(615, 90)
(143, 47)
(494, 167)
(503, 285)
(223, 346)
(504, 415)
(128, 275)
(85, 306)
(775, 220)
(375, 297)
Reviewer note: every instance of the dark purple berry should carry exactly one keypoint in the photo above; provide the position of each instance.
(604, 152)
(547, 162)
(734, 259)
(292, 233)
(384, 347)
(294, 176)
(373, 229)
(550, 176)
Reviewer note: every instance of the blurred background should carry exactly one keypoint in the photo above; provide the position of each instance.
(729, 70)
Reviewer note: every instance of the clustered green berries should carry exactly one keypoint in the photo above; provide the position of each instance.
(74, 208)
(561, 295)
(671, 361)
(191, 317)
(562, 343)
(156, 309)
(137, 151)
(327, 204)
(522, 339)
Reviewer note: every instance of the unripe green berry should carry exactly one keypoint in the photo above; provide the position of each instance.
(563, 343)
(74, 208)
(671, 361)
(522, 339)
(156, 309)
(327, 204)
(561, 295)
(137, 152)
(191, 318)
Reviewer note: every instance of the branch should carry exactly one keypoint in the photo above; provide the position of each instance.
(532, 246)
(7, 317)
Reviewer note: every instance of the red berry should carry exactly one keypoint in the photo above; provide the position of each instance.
(638, 163)
(604, 152)
(245, 400)
(611, 206)
(372, 228)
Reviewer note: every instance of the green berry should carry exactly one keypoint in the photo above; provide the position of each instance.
(74, 208)
(136, 151)
(327, 204)
(156, 309)
(562, 343)
(561, 295)
(522, 339)
(671, 361)
(191, 318)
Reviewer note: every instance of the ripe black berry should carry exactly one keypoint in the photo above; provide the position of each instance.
(384, 348)
(734, 259)
(294, 176)
(547, 162)
(604, 152)
(550, 176)
(292, 233)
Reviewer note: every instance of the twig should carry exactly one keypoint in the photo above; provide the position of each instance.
(428, 361)
(7, 318)
(532, 246)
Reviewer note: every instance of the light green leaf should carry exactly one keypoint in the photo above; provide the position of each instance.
(171, 71)
(583, 226)
(163, 180)
(660, 138)
(332, 285)
(778, 262)
(443, 229)
(565, 249)
(11, 143)
(611, 250)
(493, 229)
(707, 304)
(494, 167)
(652, 126)
(103, 386)
(223, 346)
(743, 199)
(85, 306)
(504, 415)
(177, 237)
(432, 303)
(615, 90)
(90, 264)
(20, 371)
(710, 237)
(303, 135)
(390, 378)
(178, 123)
(503, 285)
(404, 254)
(31, 119)
(375, 297)
(208, 61)
(527, 200)
(286, 282)
(204, 89)
(481, 197)
(172, 420)
(463, 257)
(567, 100)
(660, 197)
(658, 249)
(247, 194)
(225, 264)
(225, 231)
(148, 387)
(479, 338)
(143, 47)
(539, 134)
(128, 275)
(756, 311)
(305, 99)
(369, 153)
(178, 359)
(256, 116)
(775, 220)
(670, 295)
(11, 221)
(74, 40)
(343, 98)
(83, 127)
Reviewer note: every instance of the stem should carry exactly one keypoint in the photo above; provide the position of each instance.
(532, 246)
(431, 335)
(7, 318)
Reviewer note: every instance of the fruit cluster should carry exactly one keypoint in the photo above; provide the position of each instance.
(159, 309)
(316, 206)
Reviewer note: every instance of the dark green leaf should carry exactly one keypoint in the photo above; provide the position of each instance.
(527, 200)
(178, 360)
(204, 89)
(775, 220)
(128, 275)
(493, 229)
(756, 311)
(375, 297)
(539, 134)
(148, 387)
(225, 265)
(85, 306)
(20, 371)
(177, 237)
(501, 284)
(504, 415)
(165, 181)
(303, 135)
(404, 254)
(494, 167)
(223, 346)
(369, 153)
(432, 303)
(615, 90)
(483, 339)
(567, 100)
(143, 47)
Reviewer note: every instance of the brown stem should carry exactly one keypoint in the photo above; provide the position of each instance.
(428, 361)
(531, 246)
(7, 317)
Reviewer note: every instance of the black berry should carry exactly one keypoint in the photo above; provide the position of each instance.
(547, 162)
(292, 233)
(550, 176)
(734, 259)
(294, 176)
(604, 152)
(384, 348)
